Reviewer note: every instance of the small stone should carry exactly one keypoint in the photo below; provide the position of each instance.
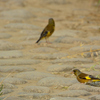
(4, 35)
(85, 48)
(21, 26)
(95, 38)
(14, 3)
(18, 62)
(54, 2)
(40, 10)
(5, 45)
(11, 54)
(15, 69)
(36, 89)
(32, 75)
(92, 27)
(13, 80)
(28, 32)
(91, 66)
(56, 81)
(43, 96)
(6, 91)
(72, 60)
(16, 13)
(73, 93)
(91, 54)
(69, 40)
(66, 98)
(9, 86)
(15, 98)
(68, 33)
(94, 97)
(88, 88)
(45, 50)
(50, 56)
(59, 68)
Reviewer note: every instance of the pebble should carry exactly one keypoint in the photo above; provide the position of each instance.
(85, 48)
(91, 66)
(39, 96)
(44, 50)
(16, 13)
(8, 62)
(88, 88)
(66, 98)
(50, 56)
(25, 43)
(67, 33)
(95, 38)
(11, 54)
(94, 97)
(14, 98)
(6, 91)
(13, 80)
(73, 93)
(91, 54)
(17, 3)
(72, 60)
(69, 40)
(91, 27)
(21, 26)
(9, 86)
(5, 45)
(54, 1)
(28, 33)
(36, 89)
(32, 75)
(59, 68)
(56, 81)
(40, 10)
(15, 69)
(31, 37)
(5, 36)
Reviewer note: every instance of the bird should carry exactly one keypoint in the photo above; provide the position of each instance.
(84, 78)
(48, 30)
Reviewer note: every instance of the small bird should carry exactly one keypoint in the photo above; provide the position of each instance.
(48, 30)
(84, 78)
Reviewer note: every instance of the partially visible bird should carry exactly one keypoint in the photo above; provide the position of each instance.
(84, 78)
(48, 30)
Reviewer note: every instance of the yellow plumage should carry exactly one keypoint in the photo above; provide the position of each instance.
(84, 78)
(48, 30)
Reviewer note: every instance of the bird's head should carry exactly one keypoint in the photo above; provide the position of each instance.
(76, 71)
(51, 21)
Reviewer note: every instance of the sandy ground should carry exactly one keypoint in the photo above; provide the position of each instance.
(42, 71)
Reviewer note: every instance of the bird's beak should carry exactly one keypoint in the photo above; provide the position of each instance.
(72, 72)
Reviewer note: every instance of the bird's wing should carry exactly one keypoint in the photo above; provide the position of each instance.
(44, 34)
(88, 77)
(92, 77)
(84, 76)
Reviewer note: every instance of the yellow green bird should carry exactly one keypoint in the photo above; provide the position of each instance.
(48, 30)
(84, 78)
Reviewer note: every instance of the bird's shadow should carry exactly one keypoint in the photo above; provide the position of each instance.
(96, 84)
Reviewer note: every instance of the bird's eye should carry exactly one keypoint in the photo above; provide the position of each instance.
(74, 71)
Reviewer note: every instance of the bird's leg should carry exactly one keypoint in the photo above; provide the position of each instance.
(47, 41)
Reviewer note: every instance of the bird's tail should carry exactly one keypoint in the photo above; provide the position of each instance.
(38, 40)
(96, 80)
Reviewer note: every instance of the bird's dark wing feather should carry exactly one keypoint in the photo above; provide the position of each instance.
(44, 34)
(86, 76)
(92, 77)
